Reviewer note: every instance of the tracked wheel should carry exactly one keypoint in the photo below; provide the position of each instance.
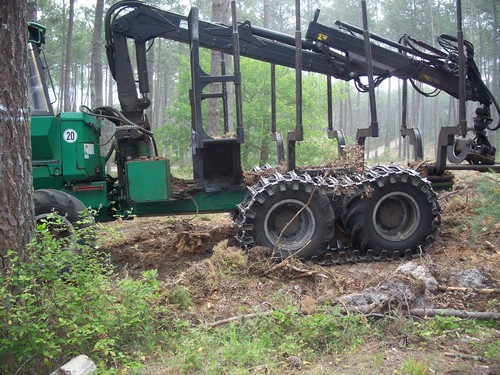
(288, 214)
(397, 213)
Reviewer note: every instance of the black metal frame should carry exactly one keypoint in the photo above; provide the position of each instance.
(342, 51)
(216, 160)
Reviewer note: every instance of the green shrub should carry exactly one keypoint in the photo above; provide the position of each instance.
(241, 346)
(180, 297)
(66, 300)
(412, 366)
(488, 212)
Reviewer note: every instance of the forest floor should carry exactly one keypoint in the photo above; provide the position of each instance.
(187, 251)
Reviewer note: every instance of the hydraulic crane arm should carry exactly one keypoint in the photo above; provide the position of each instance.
(144, 23)
(408, 59)
(336, 51)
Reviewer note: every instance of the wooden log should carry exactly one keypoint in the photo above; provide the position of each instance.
(443, 288)
(465, 356)
(238, 317)
(458, 313)
(80, 365)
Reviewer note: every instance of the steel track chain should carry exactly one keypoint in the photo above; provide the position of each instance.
(340, 185)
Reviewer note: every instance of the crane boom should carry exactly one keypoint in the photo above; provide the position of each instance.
(337, 51)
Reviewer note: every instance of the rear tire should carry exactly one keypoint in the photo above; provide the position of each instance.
(399, 212)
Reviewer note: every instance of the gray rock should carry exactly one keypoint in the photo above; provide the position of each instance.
(471, 278)
(409, 288)
(419, 272)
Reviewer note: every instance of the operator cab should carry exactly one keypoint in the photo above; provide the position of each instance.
(38, 93)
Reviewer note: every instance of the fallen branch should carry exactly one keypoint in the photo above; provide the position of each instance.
(465, 356)
(303, 272)
(285, 261)
(276, 267)
(457, 313)
(461, 289)
(238, 317)
(490, 245)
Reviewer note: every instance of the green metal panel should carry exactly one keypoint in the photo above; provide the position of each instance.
(44, 177)
(80, 149)
(46, 152)
(148, 180)
(93, 195)
(45, 139)
(222, 201)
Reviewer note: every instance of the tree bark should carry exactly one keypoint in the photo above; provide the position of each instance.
(32, 7)
(17, 224)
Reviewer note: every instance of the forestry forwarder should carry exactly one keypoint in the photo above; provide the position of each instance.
(386, 211)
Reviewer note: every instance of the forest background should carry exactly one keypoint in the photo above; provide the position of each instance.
(75, 54)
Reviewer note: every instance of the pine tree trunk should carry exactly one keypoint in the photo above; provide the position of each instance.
(436, 125)
(400, 117)
(349, 106)
(219, 8)
(17, 225)
(109, 100)
(496, 65)
(82, 85)
(32, 16)
(341, 112)
(67, 64)
(96, 59)
(264, 143)
(60, 92)
(158, 91)
(153, 122)
(358, 114)
(389, 118)
(73, 93)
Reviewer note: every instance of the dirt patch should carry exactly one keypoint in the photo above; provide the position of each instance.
(167, 244)
(223, 281)
(197, 252)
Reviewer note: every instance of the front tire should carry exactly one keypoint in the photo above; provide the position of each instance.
(64, 214)
(293, 218)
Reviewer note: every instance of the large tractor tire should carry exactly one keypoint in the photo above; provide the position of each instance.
(63, 213)
(399, 212)
(291, 217)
